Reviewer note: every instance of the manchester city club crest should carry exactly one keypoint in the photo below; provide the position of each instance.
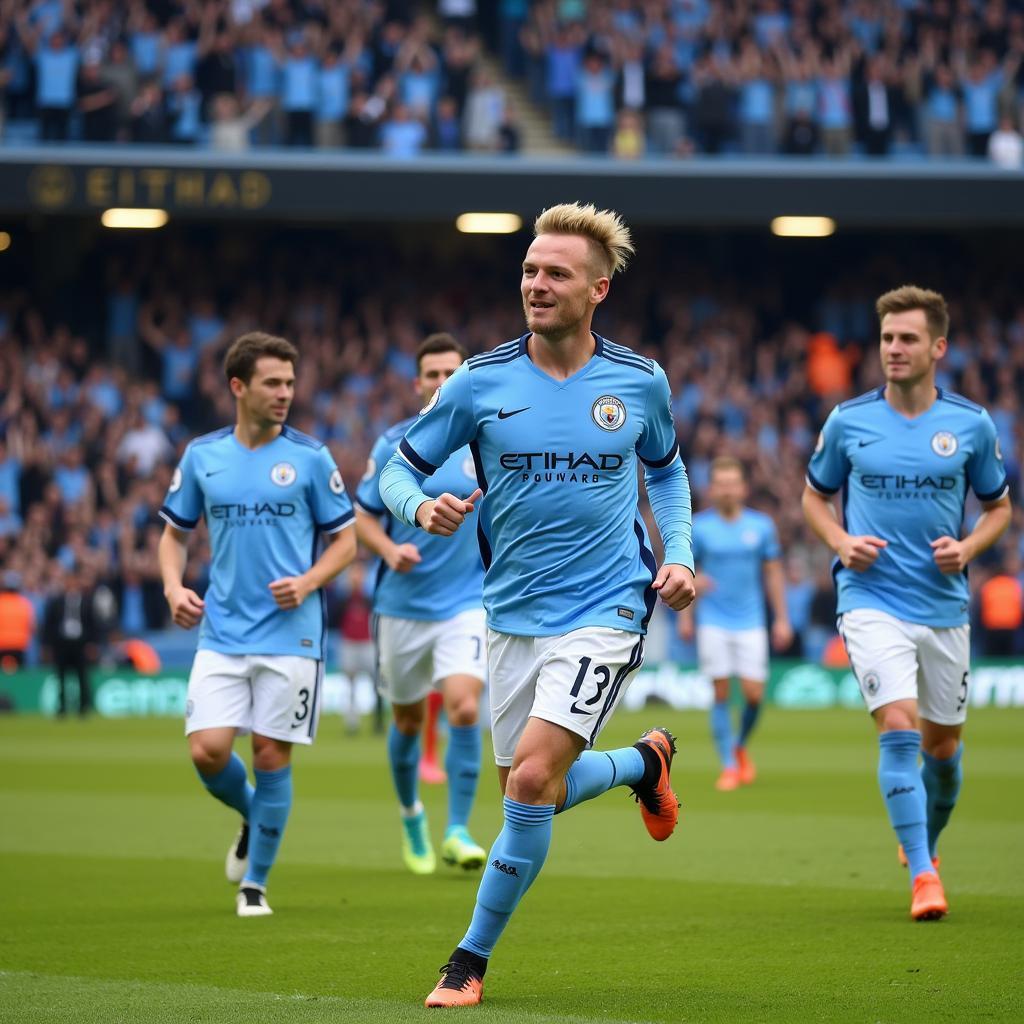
(871, 683)
(175, 481)
(608, 412)
(335, 483)
(944, 443)
(283, 474)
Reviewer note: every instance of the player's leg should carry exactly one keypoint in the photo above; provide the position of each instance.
(218, 704)
(462, 765)
(716, 658)
(542, 758)
(460, 653)
(431, 771)
(752, 667)
(944, 683)
(405, 661)
(285, 711)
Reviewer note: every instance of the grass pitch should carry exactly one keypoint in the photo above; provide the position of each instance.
(781, 902)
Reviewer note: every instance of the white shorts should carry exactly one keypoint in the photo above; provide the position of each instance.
(896, 660)
(275, 695)
(414, 656)
(724, 653)
(574, 680)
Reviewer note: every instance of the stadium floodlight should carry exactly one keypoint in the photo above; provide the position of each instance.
(124, 217)
(5, 241)
(803, 227)
(488, 223)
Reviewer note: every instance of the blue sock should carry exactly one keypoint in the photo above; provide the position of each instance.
(404, 758)
(462, 763)
(900, 782)
(513, 863)
(721, 732)
(751, 713)
(942, 779)
(596, 771)
(270, 806)
(231, 785)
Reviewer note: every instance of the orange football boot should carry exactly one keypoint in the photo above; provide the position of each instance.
(460, 985)
(745, 764)
(929, 900)
(728, 780)
(936, 861)
(659, 806)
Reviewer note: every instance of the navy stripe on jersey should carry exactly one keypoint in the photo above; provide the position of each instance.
(612, 350)
(315, 708)
(503, 353)
(994, 494)
(300, 438)
(647, 557)
(414, 460)
(659, 463)
(631, 362)
(874, 395)
(954, 399)
(819, 486)
(336, 524)
(636, 659)
(510, 358)
(213, 435)
(481, 479)
(181, 524)
(373, 510)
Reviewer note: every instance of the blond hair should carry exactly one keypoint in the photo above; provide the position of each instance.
(724, 463)
(605, 230)
(910, 297)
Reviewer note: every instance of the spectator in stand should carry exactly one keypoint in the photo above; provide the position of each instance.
(1002, 609)
(595, 104)
(332, 98)
(564, 57)
(69, 633)
(628, 142)
(666, 121)
(402, 135)
(875, 101)
(446, 135)
(1006, 146)
(56, 64)
(299, 74)
(358, 655)
(756, 101)
(148, 118)
(97, 103)
(485, 109)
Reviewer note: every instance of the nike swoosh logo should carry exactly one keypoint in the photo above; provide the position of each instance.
(874, 440)
(502, 415)
(214, 472)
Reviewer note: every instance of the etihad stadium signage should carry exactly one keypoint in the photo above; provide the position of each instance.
(797, 685)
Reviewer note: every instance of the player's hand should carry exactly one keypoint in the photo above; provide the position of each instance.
(186, 607)
(290, 591)
(686, 628)
(782, 634)
(403, 557)
(446, 514)
(703, 583)
(950, 555)
(859, 553)
(676, 585)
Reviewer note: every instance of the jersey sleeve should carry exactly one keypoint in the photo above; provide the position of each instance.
(329, 502)
(771, 549)
(985, 468)
(829, 467)
(657, 445)
(368, 492)
(446, 424)
(184, 502)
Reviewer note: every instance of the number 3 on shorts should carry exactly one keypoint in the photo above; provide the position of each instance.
(962, 696)
(604, 677)
(303, 712)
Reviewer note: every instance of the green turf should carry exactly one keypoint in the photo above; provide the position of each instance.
(782, 902)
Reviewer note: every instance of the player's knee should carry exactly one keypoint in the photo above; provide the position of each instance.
(532, 782)
(269, 755)
(463, 711)
(208, 758)
(408, 720)
(942, 748)
(893, 718)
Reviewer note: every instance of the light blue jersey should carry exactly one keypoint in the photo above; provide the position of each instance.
(905, 480)
(450, 577)
(265, 509)
(560, 533)
(732, 552)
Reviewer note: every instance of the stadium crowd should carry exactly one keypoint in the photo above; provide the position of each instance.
(630, 77)
(96, 407)
(837, 77)
(227, 73)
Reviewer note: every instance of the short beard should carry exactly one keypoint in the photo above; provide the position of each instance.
(556, 331)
